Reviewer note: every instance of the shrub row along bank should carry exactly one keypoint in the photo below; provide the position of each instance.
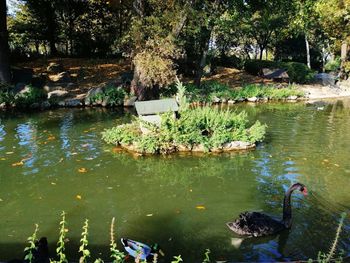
(110, 96)
(198, 130)
(215, 92)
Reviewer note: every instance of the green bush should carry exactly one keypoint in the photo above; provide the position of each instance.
(28, 98)
(6, 97)
(207, 126)
(111, 96)
(333, 65)
(209, 90)
(297, 72)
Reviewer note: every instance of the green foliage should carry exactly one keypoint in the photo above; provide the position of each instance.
(31, 246)
(331, 255)
(177, 259)
(181, 95)
(22, 100)
(84, 243)
(209, 90)
(206, 256)
(61, 240)
(207, 126)
(6, 97)
(28, 98)
(116, 255)
(297, 72)
(111, 96)
(333, 65)
(123, 134)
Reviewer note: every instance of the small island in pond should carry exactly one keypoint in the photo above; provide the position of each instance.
(200, 129)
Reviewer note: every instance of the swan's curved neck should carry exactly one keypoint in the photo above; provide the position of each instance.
(287, 209)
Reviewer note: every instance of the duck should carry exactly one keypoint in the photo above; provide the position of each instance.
(256, 224)
(140, 250)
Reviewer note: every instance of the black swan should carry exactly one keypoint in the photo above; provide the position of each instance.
(257, 224)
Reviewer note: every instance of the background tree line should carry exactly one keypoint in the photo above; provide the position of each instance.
(163, 38)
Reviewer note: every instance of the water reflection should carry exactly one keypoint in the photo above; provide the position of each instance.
(155, 199)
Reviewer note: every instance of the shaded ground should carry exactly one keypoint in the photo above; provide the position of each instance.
(88, 73)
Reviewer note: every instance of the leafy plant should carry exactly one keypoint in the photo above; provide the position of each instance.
(110, 96)
(116, 255)
(84, 243)
(206, 256)
(61, 240)
(330, 256)
(31, 245)
(177, 259)
(28, 98)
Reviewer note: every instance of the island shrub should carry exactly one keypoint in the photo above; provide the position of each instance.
(205, 126)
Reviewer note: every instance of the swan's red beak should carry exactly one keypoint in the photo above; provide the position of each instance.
(304, 191)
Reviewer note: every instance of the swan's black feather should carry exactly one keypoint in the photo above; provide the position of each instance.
(255, 224)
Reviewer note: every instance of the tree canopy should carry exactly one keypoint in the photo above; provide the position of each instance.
(166, 38)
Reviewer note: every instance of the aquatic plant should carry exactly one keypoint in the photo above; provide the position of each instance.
(177, 259)
(29, 256)
(206, 256)
(84, 243)
(61, 240)
(331, 255)
(116, 255)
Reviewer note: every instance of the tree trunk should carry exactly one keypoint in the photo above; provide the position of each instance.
(204, 54)
(5, 75)
(261, 49)
(308, 60)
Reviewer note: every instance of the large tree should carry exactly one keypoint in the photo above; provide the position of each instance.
(4, 50)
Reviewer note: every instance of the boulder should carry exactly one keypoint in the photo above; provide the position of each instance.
(91, 94)
(73, 103)
(57, 94)
(237, 145)
(198, 148)
(52, 86)
(183, 148)
(231, 101)
(325, 79)
(216, 100)
(130, 101)
(292, 97)
(55, 68)
(62, 77)
(45, 105)
(253, 99)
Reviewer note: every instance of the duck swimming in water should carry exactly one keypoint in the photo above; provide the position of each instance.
(257, 224)
(138, 249)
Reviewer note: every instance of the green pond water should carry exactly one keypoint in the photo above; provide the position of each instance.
(156, 199)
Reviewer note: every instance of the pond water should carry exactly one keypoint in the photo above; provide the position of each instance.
(55, 161)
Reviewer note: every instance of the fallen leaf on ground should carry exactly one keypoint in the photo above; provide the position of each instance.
(3, 159)
(336, 165)
(9, 152)
(1, 200)
(51, 138)
(78, 197)
(82, 170)
(53, 183)
(149, 215)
